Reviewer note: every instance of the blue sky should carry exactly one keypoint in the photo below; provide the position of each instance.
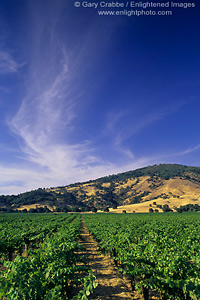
(84, 96)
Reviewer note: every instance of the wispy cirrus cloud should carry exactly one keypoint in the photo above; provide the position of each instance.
(45, 114)
(8, 64)
(39, 118)
(46, 119)
(121, 126)
(189, 150)
(47, 159)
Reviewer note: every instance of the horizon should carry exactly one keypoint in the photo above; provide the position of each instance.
(83, 95)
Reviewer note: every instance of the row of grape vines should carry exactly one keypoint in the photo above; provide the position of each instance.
(51, 269)
(156, 251)
(17, 231)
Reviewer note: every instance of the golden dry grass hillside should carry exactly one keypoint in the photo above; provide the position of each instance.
(172, 185)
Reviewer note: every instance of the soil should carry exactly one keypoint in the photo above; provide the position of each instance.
(111, 283)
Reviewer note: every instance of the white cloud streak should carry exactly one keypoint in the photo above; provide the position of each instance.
(45, 122)
(190, 150)
(46, 119)
(121, 130)
(8, 64)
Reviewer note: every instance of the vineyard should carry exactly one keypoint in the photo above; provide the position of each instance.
(40, 254)
(156, 251)
(49, 268)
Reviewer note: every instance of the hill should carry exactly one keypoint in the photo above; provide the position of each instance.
(138, 190)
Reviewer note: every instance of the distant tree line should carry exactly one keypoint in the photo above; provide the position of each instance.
(44, 209)
(165, 208)
(188, 207)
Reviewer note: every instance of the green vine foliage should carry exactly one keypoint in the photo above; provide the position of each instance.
(51, 271)
(157, 252)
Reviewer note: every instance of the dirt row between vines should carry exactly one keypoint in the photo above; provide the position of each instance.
(111, 283)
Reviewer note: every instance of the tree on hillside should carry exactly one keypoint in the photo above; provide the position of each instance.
(114, 206)
(106, 209)
(166, 208)
(94, 209)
